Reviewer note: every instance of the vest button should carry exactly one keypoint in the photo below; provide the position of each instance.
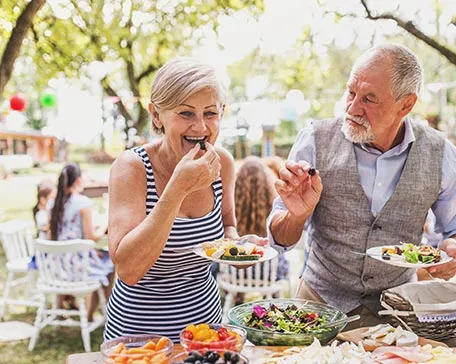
(376, 227)
(367, 278)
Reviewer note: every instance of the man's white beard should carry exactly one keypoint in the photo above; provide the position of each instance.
(362, 134)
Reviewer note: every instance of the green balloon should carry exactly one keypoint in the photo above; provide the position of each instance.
(48, 99)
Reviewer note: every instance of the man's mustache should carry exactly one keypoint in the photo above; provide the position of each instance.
(357, 119)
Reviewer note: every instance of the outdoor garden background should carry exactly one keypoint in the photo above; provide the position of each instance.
(77, 73)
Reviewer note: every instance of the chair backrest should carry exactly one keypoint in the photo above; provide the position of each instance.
(261, 278)
(17, 239)
(63, 263)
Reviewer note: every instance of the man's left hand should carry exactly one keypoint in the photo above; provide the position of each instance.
(255, 239)
(448, 270)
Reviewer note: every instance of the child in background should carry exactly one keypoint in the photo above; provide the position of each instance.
(46, 192)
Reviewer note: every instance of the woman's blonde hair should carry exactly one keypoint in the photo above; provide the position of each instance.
(180, 78)
(254, 194)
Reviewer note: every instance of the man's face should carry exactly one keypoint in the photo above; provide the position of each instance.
(371, 111)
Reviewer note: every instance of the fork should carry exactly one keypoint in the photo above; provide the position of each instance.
(365, 254)
(197, 246)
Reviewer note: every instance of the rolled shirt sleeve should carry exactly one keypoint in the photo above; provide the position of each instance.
(303, 149)
(445, 206)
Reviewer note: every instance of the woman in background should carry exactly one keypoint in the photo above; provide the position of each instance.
(71, 218)
(254, 195)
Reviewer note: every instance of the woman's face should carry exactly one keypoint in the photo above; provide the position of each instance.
(194, 120)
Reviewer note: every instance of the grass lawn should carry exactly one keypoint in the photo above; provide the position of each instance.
(17, 197)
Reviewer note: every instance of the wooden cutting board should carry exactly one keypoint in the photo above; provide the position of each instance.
(356, 336)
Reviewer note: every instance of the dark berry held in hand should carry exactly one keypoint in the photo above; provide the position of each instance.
(202, 145)
(312, 171)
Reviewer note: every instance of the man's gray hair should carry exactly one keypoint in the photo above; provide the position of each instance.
(406, 71)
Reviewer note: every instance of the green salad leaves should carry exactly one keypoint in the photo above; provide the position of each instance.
(290, 319)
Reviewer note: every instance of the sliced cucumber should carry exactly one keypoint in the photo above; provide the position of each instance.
(240, 257)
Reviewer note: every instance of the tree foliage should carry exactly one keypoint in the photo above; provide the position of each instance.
(322, 70)
(14, 34)
(138, 36)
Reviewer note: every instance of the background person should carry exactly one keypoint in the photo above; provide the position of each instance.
(254, 195)
(71, 218)
(175, 194)
(46, 192)
(378, 175)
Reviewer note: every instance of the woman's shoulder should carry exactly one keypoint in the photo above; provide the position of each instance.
(225, 157)
(133, 159)
(227, 163)
(80, 201)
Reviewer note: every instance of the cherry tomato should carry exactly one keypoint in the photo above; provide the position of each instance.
(187, 335)
(311, 316)
(223, 334)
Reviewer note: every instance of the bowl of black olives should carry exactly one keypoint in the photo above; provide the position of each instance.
(209, 357)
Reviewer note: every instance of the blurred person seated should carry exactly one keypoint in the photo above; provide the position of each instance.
(46, 192)
(71, 218)
(254, 195)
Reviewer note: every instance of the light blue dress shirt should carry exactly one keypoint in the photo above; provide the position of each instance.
(379, 174)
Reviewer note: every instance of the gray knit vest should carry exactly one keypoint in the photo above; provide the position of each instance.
(343, 222)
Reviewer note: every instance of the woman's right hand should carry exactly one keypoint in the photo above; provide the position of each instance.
(299, 191)
(193, 173)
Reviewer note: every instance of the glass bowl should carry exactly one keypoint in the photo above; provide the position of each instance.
(241, 359)
(335, 322)
(233, 344)
(137, 347)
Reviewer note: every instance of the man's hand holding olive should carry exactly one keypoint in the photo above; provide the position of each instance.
(299, 191)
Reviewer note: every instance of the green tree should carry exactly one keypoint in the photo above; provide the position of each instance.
(22, 16)
(439, 43)
(139, 36)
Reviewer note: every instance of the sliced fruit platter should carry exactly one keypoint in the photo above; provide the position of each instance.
(235, 252)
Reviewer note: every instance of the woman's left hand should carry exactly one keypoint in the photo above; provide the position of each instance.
(254, 239)
(448, 270)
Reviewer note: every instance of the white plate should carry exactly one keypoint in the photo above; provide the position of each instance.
(269, 253)
(399, 260)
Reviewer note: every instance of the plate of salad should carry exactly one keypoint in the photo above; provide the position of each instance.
(237, 253)
(409, 255)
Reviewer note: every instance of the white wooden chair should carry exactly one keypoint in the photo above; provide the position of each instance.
(18, 244)
(63, 269)
(263, 282)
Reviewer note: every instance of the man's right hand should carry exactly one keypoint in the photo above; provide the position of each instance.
(299, 191)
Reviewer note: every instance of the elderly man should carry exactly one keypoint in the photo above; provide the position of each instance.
(378, 174)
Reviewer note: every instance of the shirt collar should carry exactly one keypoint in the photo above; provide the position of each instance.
(409, 137)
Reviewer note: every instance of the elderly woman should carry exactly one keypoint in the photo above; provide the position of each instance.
(173, 193)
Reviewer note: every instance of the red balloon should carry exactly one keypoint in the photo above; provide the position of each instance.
(17, 102)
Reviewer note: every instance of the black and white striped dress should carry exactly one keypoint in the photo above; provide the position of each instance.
(178, 289)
